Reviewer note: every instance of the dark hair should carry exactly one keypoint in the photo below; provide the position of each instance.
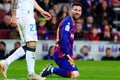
(3, 43)
(76, 4)
(18, 43)
(108, 48)
(50, 48)
(119, 48)
(85, 46)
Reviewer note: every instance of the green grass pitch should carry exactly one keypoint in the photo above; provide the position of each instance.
(89, 70)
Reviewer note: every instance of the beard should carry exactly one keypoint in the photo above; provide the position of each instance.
(75, 16)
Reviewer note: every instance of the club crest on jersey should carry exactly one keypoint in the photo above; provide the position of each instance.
(67, 27)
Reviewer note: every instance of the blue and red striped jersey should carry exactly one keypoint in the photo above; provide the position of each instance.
(65, 38)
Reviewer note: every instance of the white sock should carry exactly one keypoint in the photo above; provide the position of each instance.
(30, 59)
(16, 55)
(52, 70)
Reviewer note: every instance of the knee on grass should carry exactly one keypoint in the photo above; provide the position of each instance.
(75, 74)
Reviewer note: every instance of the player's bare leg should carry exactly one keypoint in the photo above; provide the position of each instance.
(75, 74)
(3, 69)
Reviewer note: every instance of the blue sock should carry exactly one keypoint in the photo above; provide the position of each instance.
(62, 72)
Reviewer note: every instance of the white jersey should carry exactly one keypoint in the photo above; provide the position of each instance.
(26, 4)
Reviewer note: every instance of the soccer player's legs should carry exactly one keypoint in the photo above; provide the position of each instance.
(27, 30)
(30, 58)
(65, 64)
(61, 71)
(30, 37)
(16, 55)
(65, 68)
(70, 67)
(30, 48)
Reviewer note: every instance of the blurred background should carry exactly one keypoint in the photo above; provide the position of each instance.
(97, 33)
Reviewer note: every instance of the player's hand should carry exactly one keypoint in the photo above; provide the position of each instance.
(13, 21)
(71, 60)
(46, 15)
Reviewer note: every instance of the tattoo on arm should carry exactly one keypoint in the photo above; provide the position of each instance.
(14, 7)
(14, 4)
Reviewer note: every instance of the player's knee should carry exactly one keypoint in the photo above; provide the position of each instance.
(75, 74)
(29, 48)
(31, 43)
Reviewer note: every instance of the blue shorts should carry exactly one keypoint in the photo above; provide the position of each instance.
(65, 64)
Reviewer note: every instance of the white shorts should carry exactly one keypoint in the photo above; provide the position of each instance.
(26, 25)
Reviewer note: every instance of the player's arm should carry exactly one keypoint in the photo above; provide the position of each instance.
(71, 60)
(64, 38)
(43, 12)
(14, 7)
(36, 6)
(14, 18)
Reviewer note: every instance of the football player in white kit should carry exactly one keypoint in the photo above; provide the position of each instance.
(23, 18)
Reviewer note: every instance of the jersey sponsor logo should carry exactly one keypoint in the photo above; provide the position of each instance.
(67, 27)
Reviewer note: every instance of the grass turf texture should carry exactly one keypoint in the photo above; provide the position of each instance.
(89, 70)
